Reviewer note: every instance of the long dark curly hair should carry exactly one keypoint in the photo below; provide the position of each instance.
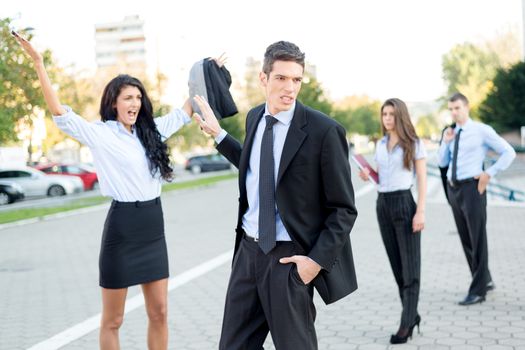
(145, 127)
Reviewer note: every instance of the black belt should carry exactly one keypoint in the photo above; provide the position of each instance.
(256, 240)
(395, 193)
(137, 203)
(461, 182)
(250, 238)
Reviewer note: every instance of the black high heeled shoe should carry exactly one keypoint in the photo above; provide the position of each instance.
(403, 334)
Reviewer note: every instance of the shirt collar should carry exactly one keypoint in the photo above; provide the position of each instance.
(284, 117)
(384, 141)
(465, 126)
(117, 126)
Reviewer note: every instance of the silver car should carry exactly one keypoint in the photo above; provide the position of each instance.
(36, 183)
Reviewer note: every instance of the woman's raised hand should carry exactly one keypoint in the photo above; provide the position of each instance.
(221, 60)
(28, 47)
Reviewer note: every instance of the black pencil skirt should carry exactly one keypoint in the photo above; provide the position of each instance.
(133, 249)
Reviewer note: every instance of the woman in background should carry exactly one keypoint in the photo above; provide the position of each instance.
(400, 154)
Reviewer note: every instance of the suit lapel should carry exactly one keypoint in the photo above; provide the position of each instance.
(256, 116)
(294, 139)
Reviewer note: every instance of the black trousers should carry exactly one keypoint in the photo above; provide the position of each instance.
(267, 296)
(470, 214)
(395, 211)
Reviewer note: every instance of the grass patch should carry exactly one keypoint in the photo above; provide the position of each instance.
(28, 213)
(197, 183)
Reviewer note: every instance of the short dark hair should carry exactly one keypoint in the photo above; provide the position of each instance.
(282, 51)
(458, 96)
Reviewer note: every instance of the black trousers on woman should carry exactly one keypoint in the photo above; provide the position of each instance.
(395, 211)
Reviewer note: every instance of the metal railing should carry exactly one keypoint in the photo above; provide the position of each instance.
(505, 192)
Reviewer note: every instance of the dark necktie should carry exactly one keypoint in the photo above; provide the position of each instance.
(455, 157)
(267, 189)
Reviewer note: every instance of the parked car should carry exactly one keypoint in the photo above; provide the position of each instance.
(207, 162)
(85, 172)
(10, 192)
(36, 183)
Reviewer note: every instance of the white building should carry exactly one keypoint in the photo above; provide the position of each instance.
(120, 42)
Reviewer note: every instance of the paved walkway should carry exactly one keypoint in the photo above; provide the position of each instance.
(49, 280)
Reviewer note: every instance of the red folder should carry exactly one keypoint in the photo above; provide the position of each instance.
(362, 164)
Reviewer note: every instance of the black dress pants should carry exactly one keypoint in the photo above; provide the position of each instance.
(267, 296)
(395, 211)
(470, 214)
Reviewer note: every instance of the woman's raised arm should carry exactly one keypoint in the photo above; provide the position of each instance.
(49, 94)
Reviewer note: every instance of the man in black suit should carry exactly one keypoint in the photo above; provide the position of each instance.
(296, 210)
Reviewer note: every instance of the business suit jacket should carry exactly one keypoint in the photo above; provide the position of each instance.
(314, 194)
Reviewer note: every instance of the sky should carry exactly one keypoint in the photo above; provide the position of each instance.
(380, 48)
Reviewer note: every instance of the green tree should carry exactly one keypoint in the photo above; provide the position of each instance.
(312, 95)
(427, 126)
(234, 125)
(359, 115)
(75, 90)
(470, 69)
(504, 107)
(253, 93)
(364, 120)
(20, 96)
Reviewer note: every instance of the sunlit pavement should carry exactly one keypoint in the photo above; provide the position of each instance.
(49, 280)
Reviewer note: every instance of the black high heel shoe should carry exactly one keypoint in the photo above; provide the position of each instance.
(403, 334)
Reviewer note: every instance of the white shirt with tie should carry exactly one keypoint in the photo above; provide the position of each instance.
(475, 141)
(250, 220)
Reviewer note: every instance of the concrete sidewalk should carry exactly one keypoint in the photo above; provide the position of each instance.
(363, 320)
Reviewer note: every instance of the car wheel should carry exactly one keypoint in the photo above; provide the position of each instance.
(55, 191)
(196, 169)
(95, 186)
(4, 198)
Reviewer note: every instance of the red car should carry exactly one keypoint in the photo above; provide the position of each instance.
(85, 172)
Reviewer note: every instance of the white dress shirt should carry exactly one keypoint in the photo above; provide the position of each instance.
(120, 159)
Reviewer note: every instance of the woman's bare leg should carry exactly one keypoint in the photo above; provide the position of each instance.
(113, 302)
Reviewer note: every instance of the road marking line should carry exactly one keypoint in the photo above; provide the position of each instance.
(87, 326)
(364, 190)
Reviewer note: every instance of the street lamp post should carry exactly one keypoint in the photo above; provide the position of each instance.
(523, 29)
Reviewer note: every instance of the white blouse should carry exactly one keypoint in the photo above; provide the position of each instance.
(393, 176)
(119, 157)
